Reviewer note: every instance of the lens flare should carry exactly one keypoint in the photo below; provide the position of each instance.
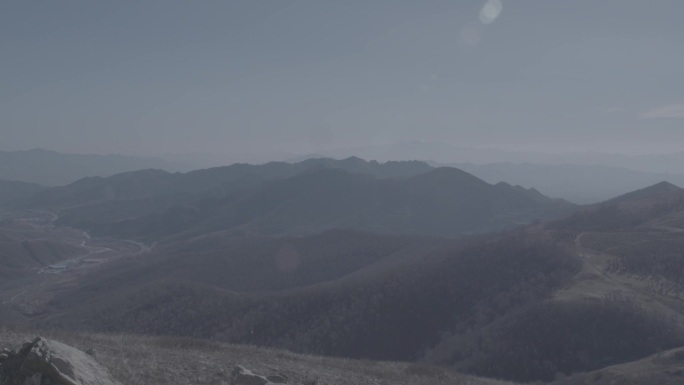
(490, 11)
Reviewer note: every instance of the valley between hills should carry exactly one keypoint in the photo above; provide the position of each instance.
(394, 264)
(312, 192)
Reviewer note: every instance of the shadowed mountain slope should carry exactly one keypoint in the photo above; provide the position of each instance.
(212, 181)
(367, 296)
(629, 210)
(442, 202)
(11, 190)
(496, 305)
(656, 191)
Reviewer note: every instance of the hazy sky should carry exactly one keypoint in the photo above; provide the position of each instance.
(152, 77)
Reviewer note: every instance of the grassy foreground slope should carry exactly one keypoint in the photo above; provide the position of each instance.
(138, 360)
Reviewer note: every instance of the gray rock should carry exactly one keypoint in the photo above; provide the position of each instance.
(36, 379)
(47, 362)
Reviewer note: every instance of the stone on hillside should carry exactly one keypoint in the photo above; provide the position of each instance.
(47, 362)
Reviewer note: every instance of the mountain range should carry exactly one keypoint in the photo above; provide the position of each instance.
(582, 184)
(295, 199)
(577, 178)
(496, 305)
(449, 154)
(380, 261)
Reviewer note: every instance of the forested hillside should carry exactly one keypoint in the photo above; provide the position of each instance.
(152, 205)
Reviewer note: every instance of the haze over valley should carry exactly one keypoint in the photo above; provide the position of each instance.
(309, 193)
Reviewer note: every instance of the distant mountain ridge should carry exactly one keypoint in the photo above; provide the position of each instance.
(218, 180)
(446, 153)
(578, 183)
(582, 184)
(52, 168)
(577, 180)
(295, 199)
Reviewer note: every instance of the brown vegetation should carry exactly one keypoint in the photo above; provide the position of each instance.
(139, 360)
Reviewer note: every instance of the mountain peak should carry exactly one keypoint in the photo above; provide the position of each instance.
(663, 187)
(354, 159)
(450, 173)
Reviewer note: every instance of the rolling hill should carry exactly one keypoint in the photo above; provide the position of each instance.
(390, 302)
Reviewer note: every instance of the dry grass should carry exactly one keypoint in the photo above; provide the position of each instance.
(138, 360)
(664, 368)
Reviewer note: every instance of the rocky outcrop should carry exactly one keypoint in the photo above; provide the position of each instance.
(47, 362)
(243, 376)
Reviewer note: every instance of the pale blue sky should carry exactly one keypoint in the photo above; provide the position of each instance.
(154, 77)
